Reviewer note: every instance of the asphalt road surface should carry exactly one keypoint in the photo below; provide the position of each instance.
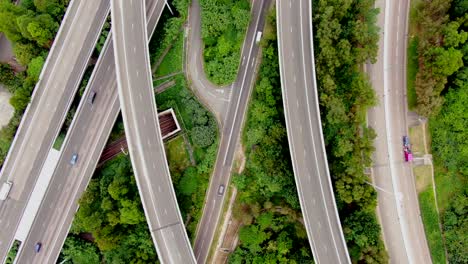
(45, 114)
(399, 212)
(144, 137)
(300, 99)
(242, 88)
(215, 98)
(87, 136)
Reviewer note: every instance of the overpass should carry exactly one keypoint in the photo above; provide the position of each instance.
(304, 128)
(51, 99)
(86, 136)
(146, 148)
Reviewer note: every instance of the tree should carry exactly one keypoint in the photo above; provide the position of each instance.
(189, 182)
(455, 222)
(52, 7)
(43, 29)
(80, 251)
(20, 99)
(35, 68)
(459, 8)
(203, 136)
(25, 52)
(8, 15)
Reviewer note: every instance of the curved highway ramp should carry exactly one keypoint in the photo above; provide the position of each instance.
(144, 137)
(301, 107)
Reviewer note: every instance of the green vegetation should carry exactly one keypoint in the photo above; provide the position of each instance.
(190, 181)
(441, 48)
(431, 225)
(177, 154)
(30, 27)
(449, 131)
(168, 29)
(412, 71)
(441, 86)
(346, 36)
(13, 252)
(79, 251)
(223, 28)
(267, 202)
(173, 60)
(111, 211)
(59, 141)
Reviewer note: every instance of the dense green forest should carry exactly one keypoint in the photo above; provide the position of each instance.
(224, 25)
(450, 150)
(441, 49)
(30, 27)
(111, 211)
(346, 37)
(267, 202)
(442, 94)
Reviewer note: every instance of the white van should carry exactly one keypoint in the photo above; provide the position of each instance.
(6, 187)
(259, 37)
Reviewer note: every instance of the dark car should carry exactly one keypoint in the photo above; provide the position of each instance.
(91, 97)
(221, 190)
(37, 247)
(406, 142)
(74, 159)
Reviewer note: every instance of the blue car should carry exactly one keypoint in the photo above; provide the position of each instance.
(37, 247)
(406, 142)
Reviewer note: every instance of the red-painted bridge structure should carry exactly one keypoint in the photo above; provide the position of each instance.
(169, 127)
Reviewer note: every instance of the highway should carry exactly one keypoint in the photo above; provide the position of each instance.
(51, 99)
(241, 90)
(87, 136)
(398, 207)
(304, 128)
(143, 133)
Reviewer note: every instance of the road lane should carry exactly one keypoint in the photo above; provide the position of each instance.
(300, 99)
(144, 139)
(87, 136)
(47, 110)
(241, 90)
(399, 213)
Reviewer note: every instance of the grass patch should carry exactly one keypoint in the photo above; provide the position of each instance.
(173, 60)
(412, 70)
(417, 140)
(177, 154)
(59, 141)
(13, 252)
(423, 176)
(431, 225)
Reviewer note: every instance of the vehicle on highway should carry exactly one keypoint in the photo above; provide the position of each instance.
(221, 189)
(91, 97)
(37, 247)
(74, 159)
(408, 154)
(6, 187)
(259, 37)
(406, 142)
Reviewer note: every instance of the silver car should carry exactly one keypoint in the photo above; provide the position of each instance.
(74, 159)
